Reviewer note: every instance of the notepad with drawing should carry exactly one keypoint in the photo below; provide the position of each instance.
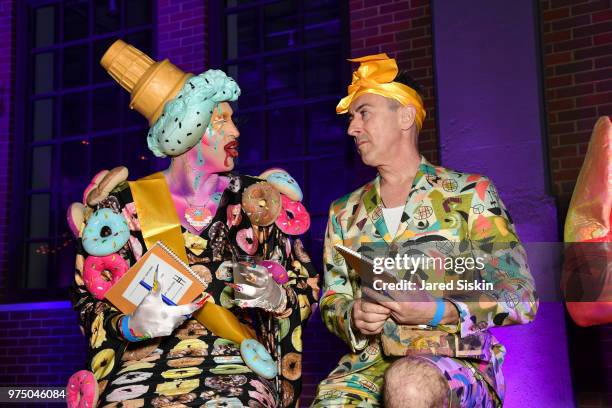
(180, 285)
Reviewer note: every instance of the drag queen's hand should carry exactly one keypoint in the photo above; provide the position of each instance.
(154, 318)
(255, 287)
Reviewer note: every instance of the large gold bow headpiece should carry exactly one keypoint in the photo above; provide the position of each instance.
(375, 75)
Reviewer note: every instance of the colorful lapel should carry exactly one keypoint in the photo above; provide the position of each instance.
(373, 205)
(370, 199)
(359, 214)
(419, 184)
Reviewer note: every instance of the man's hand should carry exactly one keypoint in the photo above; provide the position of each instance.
(369, 317)
(417, 310)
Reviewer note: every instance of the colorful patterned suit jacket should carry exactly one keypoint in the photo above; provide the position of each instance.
(442, 204)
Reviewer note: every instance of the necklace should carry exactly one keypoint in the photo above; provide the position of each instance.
(198, 216)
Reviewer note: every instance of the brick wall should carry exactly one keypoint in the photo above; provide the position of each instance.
(577, 46)
(40, 344)
(182, 34)
(402, 29)
(7, 79)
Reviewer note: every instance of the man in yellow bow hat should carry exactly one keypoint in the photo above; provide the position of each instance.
(427, 344)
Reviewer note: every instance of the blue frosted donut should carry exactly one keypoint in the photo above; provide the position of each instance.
(257, 358)
(284, 183)
(105, 233)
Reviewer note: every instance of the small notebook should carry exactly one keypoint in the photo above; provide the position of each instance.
(180, 285)
(363, 265)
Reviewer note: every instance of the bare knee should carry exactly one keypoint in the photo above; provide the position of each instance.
(411, 382)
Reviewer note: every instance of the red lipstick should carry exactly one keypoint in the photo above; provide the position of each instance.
(231, 150)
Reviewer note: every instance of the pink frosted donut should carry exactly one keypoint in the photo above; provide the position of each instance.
(96, 273)
(279, 274)
(247, 241)
(293, 218)
(82, 390)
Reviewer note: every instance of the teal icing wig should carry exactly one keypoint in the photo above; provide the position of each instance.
(186, 117)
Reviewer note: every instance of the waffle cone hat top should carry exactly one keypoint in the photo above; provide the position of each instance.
(150, 83)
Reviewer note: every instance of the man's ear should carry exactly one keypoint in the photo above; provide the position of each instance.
(407, 116)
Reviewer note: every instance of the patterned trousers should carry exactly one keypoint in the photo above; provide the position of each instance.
(364, 388)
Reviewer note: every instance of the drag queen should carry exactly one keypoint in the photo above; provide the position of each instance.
(210, 217)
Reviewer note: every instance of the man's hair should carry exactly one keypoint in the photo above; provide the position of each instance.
(404, 78)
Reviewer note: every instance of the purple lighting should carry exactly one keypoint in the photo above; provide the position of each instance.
(490, 122)
(15, 307)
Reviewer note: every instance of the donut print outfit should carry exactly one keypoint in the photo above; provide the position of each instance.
(193, 366)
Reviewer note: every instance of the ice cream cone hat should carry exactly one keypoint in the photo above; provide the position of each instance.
(151, 84)
(177, 104)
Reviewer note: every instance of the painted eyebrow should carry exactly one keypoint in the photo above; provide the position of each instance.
(223, 114)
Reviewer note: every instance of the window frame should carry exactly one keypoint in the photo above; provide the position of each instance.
(20, 191)
(217, 35)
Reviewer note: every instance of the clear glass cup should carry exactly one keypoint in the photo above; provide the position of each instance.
(242, 275)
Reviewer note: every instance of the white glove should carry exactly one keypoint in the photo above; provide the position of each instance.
(154, 318)
(255, 287)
